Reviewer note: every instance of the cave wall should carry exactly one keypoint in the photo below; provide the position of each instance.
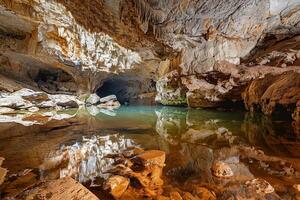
(200, 53)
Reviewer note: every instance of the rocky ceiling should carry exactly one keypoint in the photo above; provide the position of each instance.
(93, 39)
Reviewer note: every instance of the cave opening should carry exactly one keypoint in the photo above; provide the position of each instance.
(126, 89)
(118, 87)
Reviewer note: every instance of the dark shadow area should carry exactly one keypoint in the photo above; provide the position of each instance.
(117, 87)
(55, 80)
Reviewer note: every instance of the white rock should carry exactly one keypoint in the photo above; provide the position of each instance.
(5, 110)
(108, 98)
(93, 99)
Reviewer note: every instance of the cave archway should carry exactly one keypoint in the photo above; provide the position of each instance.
(126, 88)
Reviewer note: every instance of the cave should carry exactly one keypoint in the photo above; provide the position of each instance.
(207, 99)
(117, 87)
(126, 88)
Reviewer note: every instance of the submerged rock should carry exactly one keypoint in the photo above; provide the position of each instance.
(260, 186)
(65, 188)
(117, 185)
(143, 168)
(3, 171)
(222, 170)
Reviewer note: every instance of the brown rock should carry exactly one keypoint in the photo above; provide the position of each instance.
(3, 171)
(260, 186)
(152, 157)
(222, 170)
(66, 188)
(175, 196)
(274, 94)
(204, 194)
(117, 185)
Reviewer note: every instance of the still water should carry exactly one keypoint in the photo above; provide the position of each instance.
(255, 145)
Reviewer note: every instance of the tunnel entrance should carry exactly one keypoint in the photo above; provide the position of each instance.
(127, 89)
(116, 87)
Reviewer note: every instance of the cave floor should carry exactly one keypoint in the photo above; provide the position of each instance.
(253, 145)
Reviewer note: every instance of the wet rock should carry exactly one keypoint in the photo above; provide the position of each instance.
(175, 196)
(297, 187)
(117, 185)
(203, 193)
(3, 171)
(222, 170)
(260, 186)
(144, 171)
(65, 188)
(193, 135)
(151, 157)
(274, 94)
(93, 99)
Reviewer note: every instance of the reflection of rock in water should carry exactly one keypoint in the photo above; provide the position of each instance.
(171, 122)
(277, 137)
(86, 160)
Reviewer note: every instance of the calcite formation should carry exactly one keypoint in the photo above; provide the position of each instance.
(200, 54)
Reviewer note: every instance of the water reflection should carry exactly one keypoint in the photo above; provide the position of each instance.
(253, 145)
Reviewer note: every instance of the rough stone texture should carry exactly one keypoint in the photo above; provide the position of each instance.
(179, 44)
(3, 171)
(65, 188)
(275, 94)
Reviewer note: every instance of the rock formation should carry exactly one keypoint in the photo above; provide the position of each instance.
(203, 54)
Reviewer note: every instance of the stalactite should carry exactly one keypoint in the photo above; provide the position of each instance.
(146, 14)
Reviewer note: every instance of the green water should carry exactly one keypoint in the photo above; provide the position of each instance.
(192, 139)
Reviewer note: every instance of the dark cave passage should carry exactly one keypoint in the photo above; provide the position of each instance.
(117, 87)
(127, 89)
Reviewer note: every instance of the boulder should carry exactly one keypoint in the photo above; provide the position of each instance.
(66, 101)
(109, 102)
(93, 99)
(117, 185)
(65, 188)
(261, 186)
(30, 95)
(151, 157)
(222, 170)
(108, 99)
